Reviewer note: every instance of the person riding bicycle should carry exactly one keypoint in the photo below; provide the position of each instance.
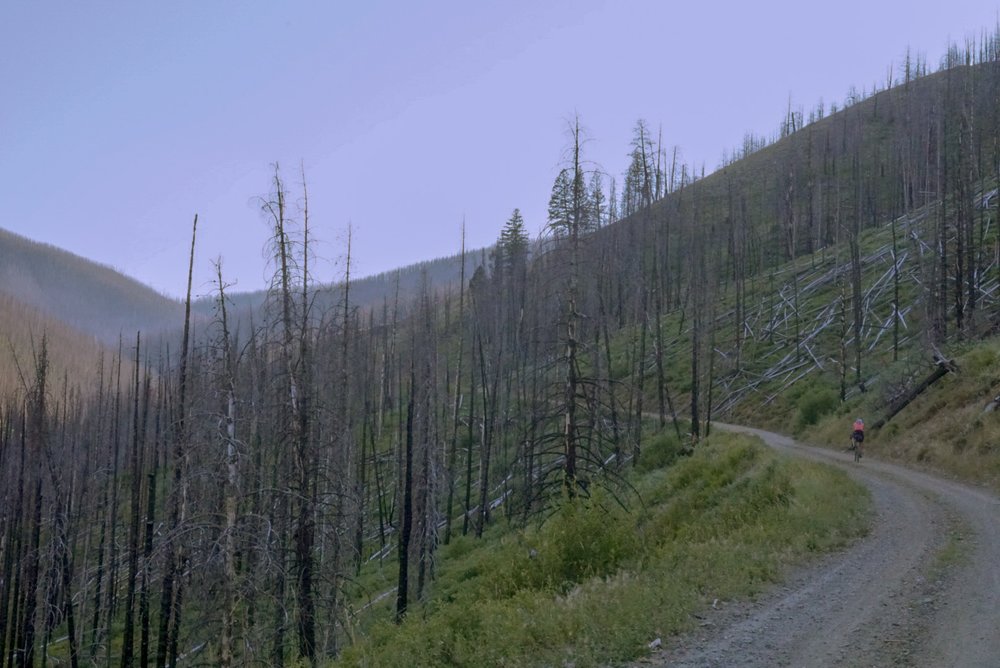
(858, 431)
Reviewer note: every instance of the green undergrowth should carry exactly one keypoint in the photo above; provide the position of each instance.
(593, 584)
(947, 428)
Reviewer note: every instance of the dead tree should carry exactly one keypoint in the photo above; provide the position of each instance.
(942, 366)
(171, 596)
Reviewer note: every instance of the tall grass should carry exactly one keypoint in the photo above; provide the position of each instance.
(946, 428)
(595, 583)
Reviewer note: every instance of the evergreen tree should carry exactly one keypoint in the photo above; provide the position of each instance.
(513, 243)
(597, 200)
(561, 203)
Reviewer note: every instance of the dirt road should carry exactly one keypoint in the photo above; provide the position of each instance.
(922, 590)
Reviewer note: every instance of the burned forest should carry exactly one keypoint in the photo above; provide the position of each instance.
(221, 495)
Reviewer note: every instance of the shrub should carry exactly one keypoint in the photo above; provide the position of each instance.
(982, 358)
(582, 541)
(659, 451)
(813, 405)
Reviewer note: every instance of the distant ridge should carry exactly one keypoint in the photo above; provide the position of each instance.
(440, 274)
(83, 294)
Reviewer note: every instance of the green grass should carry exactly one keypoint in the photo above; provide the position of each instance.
(595, 583)
(945, 429)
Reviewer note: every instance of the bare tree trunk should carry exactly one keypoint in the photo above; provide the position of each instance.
(403, 549)
(895, 295)
(27, 642)
(570, 436)
(858, 309)
(147, 556)
(128, 635)
(640, 376)
(457, 401)
(38, 443)
(698, 298)
(468, 449)
(486, 446)
(67, 583)
(943, 366)
(300, 403)
(112, 591)
(18, 530)
(170, 601)
(231, 481)
(99, 579)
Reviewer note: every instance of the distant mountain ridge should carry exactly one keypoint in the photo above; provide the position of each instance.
(99, 301)
(370, 291)
(83, 294)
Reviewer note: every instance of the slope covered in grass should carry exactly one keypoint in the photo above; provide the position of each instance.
(952, 427)
(595, 584)
(787, 358)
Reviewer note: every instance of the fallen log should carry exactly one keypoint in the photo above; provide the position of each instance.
(941, 368)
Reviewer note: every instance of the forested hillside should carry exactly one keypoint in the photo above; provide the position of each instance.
(403, 284)
(87, 296)
(235, 499)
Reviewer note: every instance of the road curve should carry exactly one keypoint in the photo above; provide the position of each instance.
(888, 600)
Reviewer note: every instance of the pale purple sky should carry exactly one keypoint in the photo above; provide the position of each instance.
(121, 120)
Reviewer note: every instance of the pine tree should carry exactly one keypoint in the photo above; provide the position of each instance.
(561, 203)
(513, 245)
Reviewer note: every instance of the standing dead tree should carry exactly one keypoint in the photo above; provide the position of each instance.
(171, 596)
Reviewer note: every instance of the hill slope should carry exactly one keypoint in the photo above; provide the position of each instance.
(85, 295)
(71, 354)
(369, 292)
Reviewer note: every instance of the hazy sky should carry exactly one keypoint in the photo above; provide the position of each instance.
(121, 120)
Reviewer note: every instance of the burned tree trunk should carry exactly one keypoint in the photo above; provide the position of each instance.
(942, 367)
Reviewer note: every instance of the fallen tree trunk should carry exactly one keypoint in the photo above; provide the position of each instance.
(942, 367)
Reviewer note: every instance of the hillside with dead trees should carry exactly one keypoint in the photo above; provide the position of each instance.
(226, 496)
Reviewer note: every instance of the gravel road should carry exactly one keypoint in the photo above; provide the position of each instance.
(923, 589)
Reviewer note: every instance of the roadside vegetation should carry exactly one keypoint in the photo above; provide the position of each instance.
(953, 427)
(595, 584)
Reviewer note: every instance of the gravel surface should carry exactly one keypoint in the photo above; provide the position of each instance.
(923, 589)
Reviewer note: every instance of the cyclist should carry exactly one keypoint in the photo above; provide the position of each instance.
(857, 434)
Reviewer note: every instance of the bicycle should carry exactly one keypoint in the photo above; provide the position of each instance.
(856, 446)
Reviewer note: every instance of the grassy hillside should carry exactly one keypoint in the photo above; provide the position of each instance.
(822, 274)
(788, 358)
(952, 427)
(85, 295)
(594, 585)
